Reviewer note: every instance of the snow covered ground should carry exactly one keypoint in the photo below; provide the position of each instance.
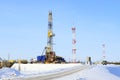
(98, 72)
(8, 73)
(109, 72)
(42, 67)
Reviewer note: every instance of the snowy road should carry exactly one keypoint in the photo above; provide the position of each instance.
(63, 72)
(58, 74)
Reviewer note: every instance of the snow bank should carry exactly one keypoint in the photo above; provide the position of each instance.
(30, 70)
(114, 70)
(95, 73)
(99, 73)
(6, 73)
(42, 67)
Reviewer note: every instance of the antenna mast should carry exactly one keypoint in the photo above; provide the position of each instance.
(104, 57)
(74, 44)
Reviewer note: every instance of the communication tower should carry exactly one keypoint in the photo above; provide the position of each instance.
(74, 44)
(104, 57)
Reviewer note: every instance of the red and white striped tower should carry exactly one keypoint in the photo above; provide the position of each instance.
(104, 57)
(74, 44)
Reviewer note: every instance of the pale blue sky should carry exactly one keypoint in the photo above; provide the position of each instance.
(24, 24)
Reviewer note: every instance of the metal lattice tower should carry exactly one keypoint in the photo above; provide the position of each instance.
(73, 44)
(104, 57)
(50, 33)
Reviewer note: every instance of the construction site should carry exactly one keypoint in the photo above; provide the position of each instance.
(48, 55)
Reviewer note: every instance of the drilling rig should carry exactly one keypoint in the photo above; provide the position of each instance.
(50, 56)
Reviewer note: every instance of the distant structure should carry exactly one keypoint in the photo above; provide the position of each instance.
(74, 44)
(8, 56)
(88, 61)
(104, 52)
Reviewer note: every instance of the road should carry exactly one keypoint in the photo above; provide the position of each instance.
(58, 74)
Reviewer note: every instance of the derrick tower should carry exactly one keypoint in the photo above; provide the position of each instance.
(50, 33)
(50, 54)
